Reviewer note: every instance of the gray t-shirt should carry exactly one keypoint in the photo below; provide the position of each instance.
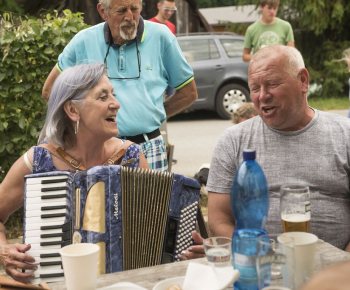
(318, 155)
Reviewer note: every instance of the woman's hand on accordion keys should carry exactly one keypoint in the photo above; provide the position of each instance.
(196, 251)
(13, 259)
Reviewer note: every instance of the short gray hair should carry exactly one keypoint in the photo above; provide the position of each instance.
(106, 3)
(293, 58)
(73, 84)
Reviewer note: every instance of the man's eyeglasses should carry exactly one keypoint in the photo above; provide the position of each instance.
(169, 9)
(138, 62)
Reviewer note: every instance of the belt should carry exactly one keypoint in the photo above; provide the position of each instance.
(140, 138)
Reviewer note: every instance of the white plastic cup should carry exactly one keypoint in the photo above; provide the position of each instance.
(304, 248)
(80, 266)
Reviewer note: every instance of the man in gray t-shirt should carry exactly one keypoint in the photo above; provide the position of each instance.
(294, 143)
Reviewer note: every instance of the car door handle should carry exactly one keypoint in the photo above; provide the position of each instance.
(218, 67)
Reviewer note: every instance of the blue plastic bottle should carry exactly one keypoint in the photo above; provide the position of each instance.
(250, 206)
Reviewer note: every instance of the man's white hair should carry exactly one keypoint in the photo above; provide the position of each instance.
(105, 4)
(293, 58)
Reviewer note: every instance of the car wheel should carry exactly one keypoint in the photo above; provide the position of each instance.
(229, 98)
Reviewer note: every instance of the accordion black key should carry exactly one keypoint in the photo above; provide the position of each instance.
(137, 217)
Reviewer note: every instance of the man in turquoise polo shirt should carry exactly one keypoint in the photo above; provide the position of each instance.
(268, 30)
(142, 58)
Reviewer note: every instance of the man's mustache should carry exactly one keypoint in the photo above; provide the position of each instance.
(127, 23)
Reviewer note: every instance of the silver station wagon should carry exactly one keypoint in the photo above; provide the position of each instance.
(220, 74)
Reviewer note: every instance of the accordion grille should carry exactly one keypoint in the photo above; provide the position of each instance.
(145, 205)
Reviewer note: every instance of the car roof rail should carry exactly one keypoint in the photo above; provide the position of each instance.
(207, 33)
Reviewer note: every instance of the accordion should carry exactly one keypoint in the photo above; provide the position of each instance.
(137, 217)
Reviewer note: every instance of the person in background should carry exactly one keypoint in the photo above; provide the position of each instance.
(244, 112)
(346, 59)
(294, 143)
(268, 30)
(166, 9)
(142, 58)
(80, 120)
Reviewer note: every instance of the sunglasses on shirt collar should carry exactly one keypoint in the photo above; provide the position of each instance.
(138, 62)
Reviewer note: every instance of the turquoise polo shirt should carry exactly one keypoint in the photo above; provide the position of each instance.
(161, 63)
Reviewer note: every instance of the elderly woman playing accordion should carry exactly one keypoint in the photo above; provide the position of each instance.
(80, 125)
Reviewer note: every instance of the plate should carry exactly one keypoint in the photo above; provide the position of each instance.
(164, 284)
(123, 286)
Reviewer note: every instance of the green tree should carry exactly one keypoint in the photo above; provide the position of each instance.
(204, 3)
(10, 6)
(321, 30)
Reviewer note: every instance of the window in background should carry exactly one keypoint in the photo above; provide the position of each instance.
(233, 48)
(202, 49)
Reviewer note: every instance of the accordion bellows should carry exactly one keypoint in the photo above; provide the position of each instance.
(137, 217)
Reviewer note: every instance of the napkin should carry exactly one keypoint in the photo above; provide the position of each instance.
(204, 277)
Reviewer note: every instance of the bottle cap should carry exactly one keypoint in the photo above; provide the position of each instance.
(249, 154)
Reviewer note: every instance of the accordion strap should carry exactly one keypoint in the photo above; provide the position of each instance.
(114, 159)
(62, 155)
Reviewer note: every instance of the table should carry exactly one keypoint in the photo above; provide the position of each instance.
(148, 277)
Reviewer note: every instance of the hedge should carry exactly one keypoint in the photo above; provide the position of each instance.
(29, 49)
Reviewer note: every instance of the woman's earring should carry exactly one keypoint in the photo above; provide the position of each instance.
(76, 127)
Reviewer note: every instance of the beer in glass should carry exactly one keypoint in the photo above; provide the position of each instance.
(295, 208)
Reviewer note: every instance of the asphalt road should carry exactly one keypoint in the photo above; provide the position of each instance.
(194, 136)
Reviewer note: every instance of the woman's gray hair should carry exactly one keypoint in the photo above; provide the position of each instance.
(73, 84)
(293, 60)
(106, 4)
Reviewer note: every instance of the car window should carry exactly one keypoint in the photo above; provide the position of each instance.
(233, 47)
(199, 49)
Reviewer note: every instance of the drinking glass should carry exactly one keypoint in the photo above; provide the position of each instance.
(218, 251)
(275, 261)
(295, 208)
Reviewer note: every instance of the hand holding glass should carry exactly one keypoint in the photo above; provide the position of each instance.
(295, 208)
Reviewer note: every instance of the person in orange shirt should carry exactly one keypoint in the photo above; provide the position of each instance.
(166, 9)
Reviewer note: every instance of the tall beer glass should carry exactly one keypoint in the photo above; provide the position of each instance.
(295, 208)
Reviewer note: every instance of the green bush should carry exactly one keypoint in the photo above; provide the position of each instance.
(29, 49)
